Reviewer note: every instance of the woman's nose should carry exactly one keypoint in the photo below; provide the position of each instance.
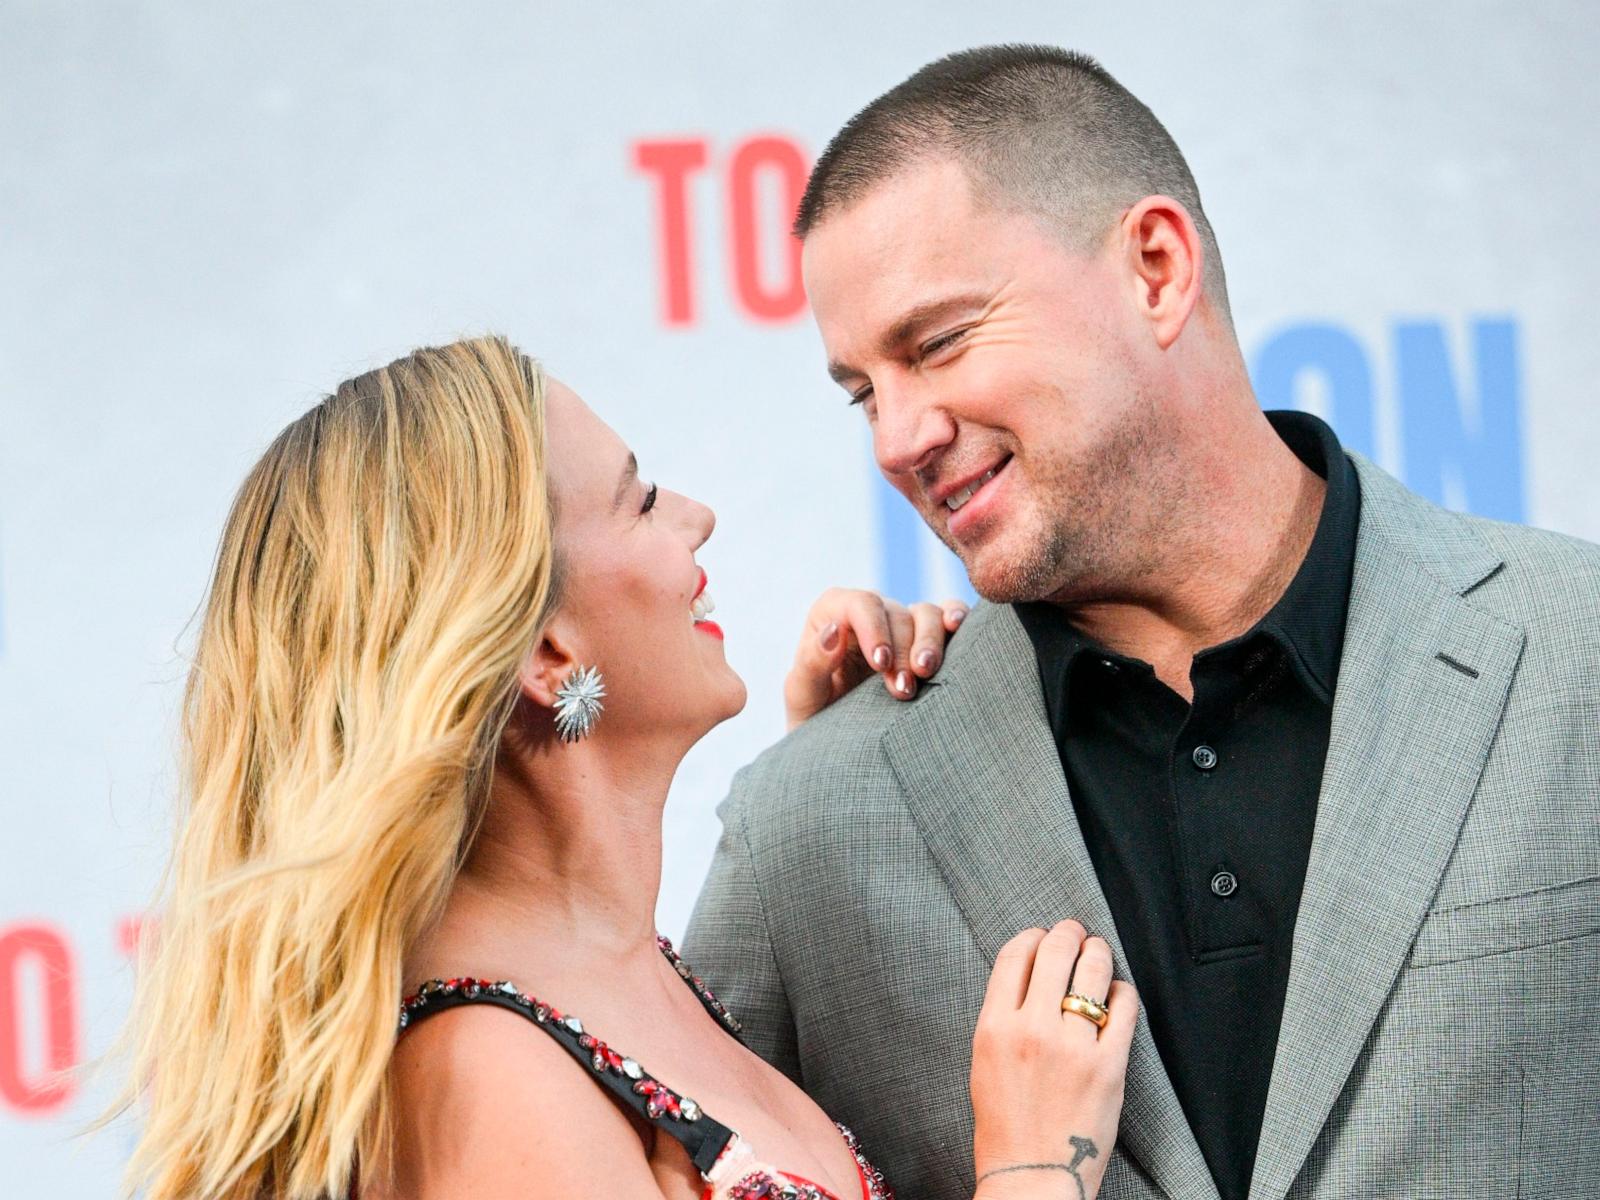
(699, 520)
(708, 522)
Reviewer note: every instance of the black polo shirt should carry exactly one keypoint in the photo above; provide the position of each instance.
(1198, 817)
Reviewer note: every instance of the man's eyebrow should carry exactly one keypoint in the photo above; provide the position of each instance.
(909, 323)
(629, 473)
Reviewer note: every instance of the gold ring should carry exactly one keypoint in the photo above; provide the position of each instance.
(1089, 1010)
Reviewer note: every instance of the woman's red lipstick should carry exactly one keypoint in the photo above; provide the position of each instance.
(708, 626)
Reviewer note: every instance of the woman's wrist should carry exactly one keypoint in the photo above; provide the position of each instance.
(1031, 1181)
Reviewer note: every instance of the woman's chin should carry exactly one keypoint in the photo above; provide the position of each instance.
(738, 697)
(730, 701)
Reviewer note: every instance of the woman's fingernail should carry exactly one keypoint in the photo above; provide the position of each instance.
(830, 636)
(880, 658)
(903, 681)
(925, 660)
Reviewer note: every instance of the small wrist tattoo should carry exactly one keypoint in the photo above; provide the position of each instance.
(1082, 1148)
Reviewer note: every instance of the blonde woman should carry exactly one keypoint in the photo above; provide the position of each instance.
(406, 947)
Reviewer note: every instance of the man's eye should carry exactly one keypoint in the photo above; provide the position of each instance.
(942, 341)
(860, 397)
(650, 498)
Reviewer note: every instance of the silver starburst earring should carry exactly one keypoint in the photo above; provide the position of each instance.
(578, 704)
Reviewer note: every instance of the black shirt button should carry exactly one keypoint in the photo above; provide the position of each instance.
(1224, 883)
(1205, 757)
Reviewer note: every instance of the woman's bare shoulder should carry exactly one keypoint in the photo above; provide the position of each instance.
(486, 1101)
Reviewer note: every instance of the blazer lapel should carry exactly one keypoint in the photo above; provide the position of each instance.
(983, 779)
(1422, 686)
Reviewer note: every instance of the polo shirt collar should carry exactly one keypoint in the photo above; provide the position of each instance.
(1309, 618)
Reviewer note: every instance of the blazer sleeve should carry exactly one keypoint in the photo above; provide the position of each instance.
(730, 948)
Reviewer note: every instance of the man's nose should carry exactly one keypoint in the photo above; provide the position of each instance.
(909, 430)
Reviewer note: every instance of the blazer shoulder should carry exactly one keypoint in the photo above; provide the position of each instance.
(835, 764)
(1520, 574)
(818, 765)
(1545, 576)
(1547, 586)
(1539, 548)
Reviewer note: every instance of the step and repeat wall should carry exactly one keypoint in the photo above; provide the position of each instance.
(209, 216)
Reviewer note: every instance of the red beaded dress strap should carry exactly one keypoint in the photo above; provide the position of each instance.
(677, 1116)
(746, 1179)
(762, 1183)
(719, 1011)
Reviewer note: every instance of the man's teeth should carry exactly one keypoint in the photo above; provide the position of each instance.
(965, 494)
(702, 606)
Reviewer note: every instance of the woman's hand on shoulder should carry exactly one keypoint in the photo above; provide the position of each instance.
(850, 634)
(1047, 1083)
(487, 1106)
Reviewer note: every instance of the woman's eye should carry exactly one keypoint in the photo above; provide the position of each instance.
(650, 498)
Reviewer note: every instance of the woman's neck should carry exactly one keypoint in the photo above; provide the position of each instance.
(567, 863)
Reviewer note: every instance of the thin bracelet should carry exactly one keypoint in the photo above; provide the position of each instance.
(1022, 1167)
(1082, 1148)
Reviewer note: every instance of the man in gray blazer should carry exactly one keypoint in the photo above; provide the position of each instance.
(1320, 759)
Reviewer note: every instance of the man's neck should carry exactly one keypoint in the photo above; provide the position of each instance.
(1220, 572)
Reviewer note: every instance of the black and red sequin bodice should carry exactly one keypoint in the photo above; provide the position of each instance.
(729, 1166)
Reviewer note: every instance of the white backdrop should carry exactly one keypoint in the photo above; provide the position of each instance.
(210, 217)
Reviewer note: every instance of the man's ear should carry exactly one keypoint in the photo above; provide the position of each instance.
(544, 669)
(1165, 263)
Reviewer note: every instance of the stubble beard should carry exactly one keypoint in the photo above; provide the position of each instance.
(1058, 558)
(1089, 516)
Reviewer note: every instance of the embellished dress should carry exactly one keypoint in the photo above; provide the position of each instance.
(730, 1166)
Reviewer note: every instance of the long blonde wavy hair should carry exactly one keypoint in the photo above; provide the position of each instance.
(384, 570)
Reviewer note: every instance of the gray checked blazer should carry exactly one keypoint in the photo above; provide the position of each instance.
(1441, 1033)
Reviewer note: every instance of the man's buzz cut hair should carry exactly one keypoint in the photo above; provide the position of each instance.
(1037, 128)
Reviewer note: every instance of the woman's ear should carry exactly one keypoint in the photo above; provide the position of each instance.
(544, 670)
